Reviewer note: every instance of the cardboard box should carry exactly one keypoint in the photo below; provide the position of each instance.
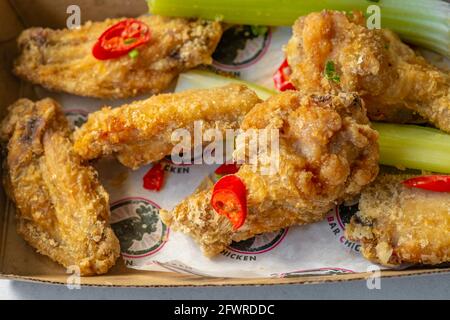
(18, 260)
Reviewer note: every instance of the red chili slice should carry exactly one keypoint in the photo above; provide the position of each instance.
(227, 169)
(154, 178)
(229, 199)
(281, 77)
(438, 183)
(121, 38)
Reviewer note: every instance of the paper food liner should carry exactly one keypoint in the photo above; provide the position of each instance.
(147, 244)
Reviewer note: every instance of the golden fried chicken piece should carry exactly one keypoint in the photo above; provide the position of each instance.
(395, 83)
(141, 132)
(62, 209)
(397, 224)
(328, 153)
(62, 60)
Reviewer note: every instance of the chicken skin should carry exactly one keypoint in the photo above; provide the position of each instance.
(62, 209)
(327, 153)
(141, 132)
(331, 51)
(62, 60)
(396, 224)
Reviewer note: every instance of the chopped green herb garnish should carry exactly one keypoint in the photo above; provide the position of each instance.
(330, 72)
(129, 40)
(350, 15)
(259, 30)
(133, 53)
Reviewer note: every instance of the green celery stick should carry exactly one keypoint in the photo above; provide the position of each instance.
(199, 79)
(421, 22)
(414, 147)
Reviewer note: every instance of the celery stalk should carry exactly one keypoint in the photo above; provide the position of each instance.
(414, 147)
(407, 146)
(199, 79)
(421, 22)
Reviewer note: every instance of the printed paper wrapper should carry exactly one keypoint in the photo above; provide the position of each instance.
(147, 244)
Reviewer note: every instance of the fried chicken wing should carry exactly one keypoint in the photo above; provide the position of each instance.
(141, 132)
(62, 209)
(62, 60)
(328, 153)
(331, 51)
(396, 224)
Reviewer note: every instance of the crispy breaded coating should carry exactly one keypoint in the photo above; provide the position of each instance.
(328, 153)
(62, 60)
(62, 209)
(141, 132)
(396, 224)
(396, 84)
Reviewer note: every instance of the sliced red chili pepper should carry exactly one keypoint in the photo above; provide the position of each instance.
(154, 178)
(281, 77)
(227, 169)
(121, 38)
(229, 199)
(438, 183)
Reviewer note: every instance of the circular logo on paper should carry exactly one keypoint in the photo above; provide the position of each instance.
(344, 213)
(260, 243)
(241, 46)
(76, 117)
(136, 223)
(313, 272)
(338, 218)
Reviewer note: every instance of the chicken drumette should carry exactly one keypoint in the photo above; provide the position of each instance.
(331, 51)
(327, 153)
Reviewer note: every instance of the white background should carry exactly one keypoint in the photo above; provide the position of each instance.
(419, 287)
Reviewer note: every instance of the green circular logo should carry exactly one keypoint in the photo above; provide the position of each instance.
(76, 117)
(136, 223)
(260, 243)
(337, 219)
(241, 46)
(345, 213)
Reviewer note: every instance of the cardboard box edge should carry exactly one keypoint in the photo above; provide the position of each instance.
(188, 281)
